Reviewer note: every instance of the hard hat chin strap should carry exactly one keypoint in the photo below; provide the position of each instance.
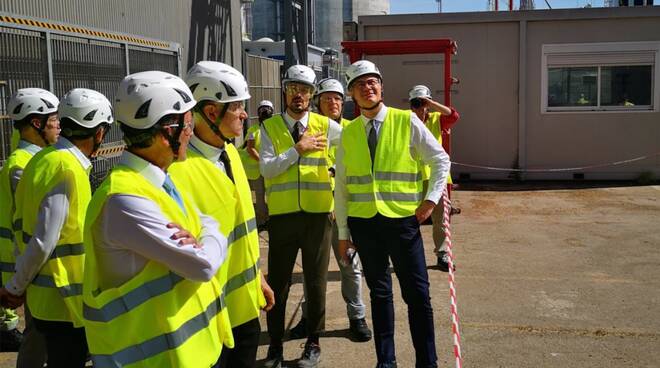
(215, 126)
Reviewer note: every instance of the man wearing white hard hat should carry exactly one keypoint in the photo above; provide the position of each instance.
(150, 295)
(36, 124)
(213, 175)
(294, 163)
(51, 202)
(438, 118)
(329, 100)
(380, 205)
(265, 111)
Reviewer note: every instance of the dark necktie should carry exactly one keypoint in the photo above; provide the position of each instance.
(372, 141)
(297, 131)
(224, 158)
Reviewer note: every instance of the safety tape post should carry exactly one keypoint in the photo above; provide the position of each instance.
(452, 289)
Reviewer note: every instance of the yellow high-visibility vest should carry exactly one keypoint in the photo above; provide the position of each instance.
(251, 165)
(157, 318)
(394, 187)
(304, 186)
(231, 205)
(16, 161)
(55, 293)
(433, 124)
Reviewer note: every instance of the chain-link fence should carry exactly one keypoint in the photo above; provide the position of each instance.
(60, 61)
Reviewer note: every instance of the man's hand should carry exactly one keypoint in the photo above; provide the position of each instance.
(184, 236)
(424, 210)
(311, 143)
(9, 300)
(343, 247)
(268, 294)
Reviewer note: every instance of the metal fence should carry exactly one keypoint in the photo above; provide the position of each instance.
(61, 60)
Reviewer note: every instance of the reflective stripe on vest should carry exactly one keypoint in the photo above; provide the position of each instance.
(162, 318)
(176, 338)
(305, 185)
(394, 188)
(433, 123)
(16, 161)
(55, 293)
(231, 205)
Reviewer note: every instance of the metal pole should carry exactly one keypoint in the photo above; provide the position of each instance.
(302, 36)
(49, 58)
(127, 58)
(446, 136)
(522, 98)
(287, 26)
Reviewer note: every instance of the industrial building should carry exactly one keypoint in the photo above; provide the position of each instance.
(326, 19)
(544, 94)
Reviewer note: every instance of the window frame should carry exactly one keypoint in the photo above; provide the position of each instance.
(624, 55)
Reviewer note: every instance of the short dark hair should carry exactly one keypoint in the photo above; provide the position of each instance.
(143, 138)
(74, 131)
(26, 122)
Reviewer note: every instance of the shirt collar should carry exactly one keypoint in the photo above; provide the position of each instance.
(149, 171)
(210, 152)
(30, 147)
(291, 121)
(380, 117)
(65, 144)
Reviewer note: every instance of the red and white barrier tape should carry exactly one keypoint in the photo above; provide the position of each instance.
(452, 289)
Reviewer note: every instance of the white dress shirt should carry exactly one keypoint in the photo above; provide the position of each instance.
(210, 152)
(53, 211)
(422, 146)
(271, 164)
(131, 231)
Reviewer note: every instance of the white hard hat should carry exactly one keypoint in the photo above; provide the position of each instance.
(217, 82)
(300, 74)
(28, 101)
(360, 68)
(265, 103)
(86, 107)
(144, 98)
(419, 91)
(329, 85)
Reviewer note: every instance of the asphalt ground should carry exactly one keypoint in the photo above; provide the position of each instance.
(547, 276)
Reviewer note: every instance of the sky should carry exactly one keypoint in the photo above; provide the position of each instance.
(449, 6)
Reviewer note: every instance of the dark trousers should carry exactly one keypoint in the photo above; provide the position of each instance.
(379, 239)
(311, 233)
(246, 342)
(66, 345)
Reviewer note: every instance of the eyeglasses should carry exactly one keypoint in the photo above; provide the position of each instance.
(233, 106)
(294, 89)
(176, 122)
(371, 83)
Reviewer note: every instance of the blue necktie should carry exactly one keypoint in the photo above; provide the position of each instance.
(170, 189)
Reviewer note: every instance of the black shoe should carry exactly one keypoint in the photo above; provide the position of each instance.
(10, 340)
(275, 356)
(311, 356)
(443, 262)
(359, 330)
(300, 330)
(386, 365)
